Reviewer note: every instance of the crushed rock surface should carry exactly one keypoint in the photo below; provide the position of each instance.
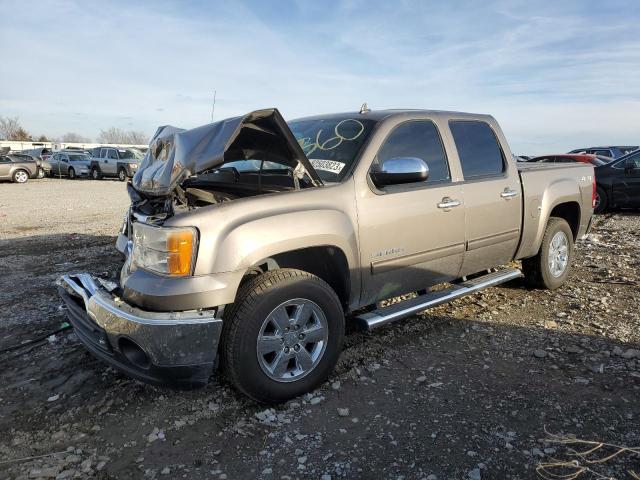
(466, 390)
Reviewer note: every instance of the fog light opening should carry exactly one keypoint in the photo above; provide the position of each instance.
(133, 353)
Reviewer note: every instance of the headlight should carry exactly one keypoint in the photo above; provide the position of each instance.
(169, 251)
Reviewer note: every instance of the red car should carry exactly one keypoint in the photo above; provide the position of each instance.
(594, 160)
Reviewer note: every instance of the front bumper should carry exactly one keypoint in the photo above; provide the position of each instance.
(167, 348)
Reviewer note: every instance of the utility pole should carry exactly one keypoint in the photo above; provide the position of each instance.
(213, 106)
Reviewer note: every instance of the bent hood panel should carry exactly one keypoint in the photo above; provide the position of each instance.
(175, 154)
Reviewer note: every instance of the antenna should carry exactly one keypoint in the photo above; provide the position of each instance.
(213, 106)
(364, 108)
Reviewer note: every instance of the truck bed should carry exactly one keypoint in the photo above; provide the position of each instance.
(545, 185)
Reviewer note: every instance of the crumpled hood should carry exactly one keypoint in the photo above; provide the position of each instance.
(175, 154)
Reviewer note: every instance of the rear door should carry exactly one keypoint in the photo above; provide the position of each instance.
(5, 167)
(412, 235)
(492, 196)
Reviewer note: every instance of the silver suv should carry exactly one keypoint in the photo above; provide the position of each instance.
(114, 162)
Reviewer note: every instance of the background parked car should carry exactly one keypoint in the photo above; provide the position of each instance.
(70, 164)
(618, 183)
(42, 153)
(17, 168)
(594, 160)
(115, 162)
(613, 151)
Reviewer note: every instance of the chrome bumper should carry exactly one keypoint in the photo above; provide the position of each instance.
(116, 332)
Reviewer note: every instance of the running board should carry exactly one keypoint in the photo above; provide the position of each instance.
(410, 307)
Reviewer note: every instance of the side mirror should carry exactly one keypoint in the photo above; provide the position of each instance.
(398, 170)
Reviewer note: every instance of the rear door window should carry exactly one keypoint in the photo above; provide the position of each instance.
(418, 139)
(478, 149)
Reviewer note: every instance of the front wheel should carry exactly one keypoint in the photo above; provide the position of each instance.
(283, 335)
(72, 174)
(95, 174)
(550, 267)
(40, 173)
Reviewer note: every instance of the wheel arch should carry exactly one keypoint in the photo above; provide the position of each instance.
(570, 212)
(327, 262)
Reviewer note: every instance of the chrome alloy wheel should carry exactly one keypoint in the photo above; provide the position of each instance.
(558, 254)
(292, 340)
(21, 176)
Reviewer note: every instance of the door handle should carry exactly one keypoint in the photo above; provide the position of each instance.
(448, 203)
(508, 193)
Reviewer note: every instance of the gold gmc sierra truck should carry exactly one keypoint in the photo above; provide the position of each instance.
(250, 242)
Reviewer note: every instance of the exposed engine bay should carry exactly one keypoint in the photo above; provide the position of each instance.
(238, 157)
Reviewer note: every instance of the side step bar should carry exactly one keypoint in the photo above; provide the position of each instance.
(405, 309)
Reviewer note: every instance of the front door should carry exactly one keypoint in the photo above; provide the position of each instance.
(109, 161)
(63, 164)
(55, 163)
(411, 235)
(492, 195)
(626, 190)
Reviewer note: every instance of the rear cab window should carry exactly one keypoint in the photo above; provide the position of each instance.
(478, 149)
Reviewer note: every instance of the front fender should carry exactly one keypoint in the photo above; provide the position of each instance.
(243, 245)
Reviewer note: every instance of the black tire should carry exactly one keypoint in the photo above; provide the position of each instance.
(537, 270)
(95, 174)
(255, 301)
(20, 176)
(602, 201)
(41, 173)
(72, 173)
(122, 175)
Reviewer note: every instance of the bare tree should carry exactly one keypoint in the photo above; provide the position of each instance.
(21, 135)
(112, 135)
(72, 137)
(119, 136)
(138, 138)
(10, 129)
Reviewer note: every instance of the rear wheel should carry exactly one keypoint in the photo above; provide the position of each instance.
(601, 200)
(20, 176)
(282, 336)
(40, 173)
(72, 173)
(122, 175)
(550, 267)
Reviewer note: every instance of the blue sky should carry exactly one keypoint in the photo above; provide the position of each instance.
(556, 74)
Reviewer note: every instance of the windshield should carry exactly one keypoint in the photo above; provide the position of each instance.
(130, 154)
(79, 158)
(332, 144)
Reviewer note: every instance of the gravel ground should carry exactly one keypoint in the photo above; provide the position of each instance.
(474, 389)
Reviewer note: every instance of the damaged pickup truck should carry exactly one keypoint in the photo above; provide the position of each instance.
(250, 242)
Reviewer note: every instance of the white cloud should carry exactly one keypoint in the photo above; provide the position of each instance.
(556, 76)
